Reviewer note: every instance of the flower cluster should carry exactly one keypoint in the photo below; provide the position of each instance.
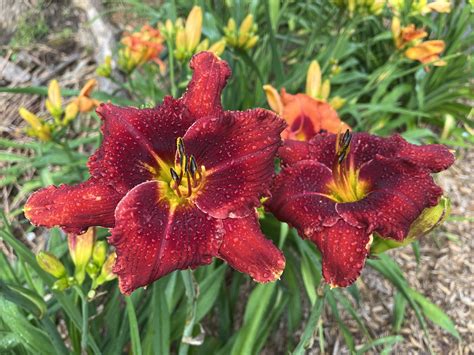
(180, 184)
(187, 36)
(88, 256)
(244, 37)
(140, 47)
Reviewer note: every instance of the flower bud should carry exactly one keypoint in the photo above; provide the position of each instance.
(61, 284)
(105, 69)
(325, 89)
(38, 127)
(54, 101)
(80, 249)
(218, 47)
(246, 24)
(313, 79)
(337, 102)
(193, 28)
(106, 273)
(203, 46)
(428, 220)
(51, 264)
(99, 253)
(70, 113)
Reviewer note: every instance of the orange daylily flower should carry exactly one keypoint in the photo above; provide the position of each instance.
(141, 47)
(304, 115)
(83, 102)
(427, 52)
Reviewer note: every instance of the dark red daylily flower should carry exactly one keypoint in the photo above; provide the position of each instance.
(178, 183)
(337, 191)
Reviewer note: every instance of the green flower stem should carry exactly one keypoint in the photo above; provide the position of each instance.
(191, 293)
(171, 64)
(134, 331)
(85, 317)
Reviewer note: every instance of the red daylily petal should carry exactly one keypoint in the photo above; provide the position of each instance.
(73, 208)
(246, 249)
(344, 249)
(237, 150)
(134, 139)
(365, 147)
(434, 157)
(153, 238)
(293, 151)
(298, 197)
(399, 193)
(203, 95)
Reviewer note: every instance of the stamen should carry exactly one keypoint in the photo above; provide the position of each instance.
(174, 175)
(180, 146)
(193, 166)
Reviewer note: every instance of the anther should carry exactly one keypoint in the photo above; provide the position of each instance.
(193, 166)
(180, 146)
(174, 175)
(346, 139)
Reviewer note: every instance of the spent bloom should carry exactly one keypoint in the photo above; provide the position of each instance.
(140, 47)
(306, 114)
(245, 36)
(339, 189)
(178, 184)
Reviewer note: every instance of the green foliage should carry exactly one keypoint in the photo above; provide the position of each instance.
(199, 312)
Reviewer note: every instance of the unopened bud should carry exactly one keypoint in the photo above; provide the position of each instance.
(80, 249)
(51, 264)
(99, 253)
(106, 274)
(61, 284)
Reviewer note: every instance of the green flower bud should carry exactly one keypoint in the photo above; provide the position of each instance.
(99, 253)
(106, 273)
(427, 221)
(80, 249)
(51, 264)
(61, 284)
